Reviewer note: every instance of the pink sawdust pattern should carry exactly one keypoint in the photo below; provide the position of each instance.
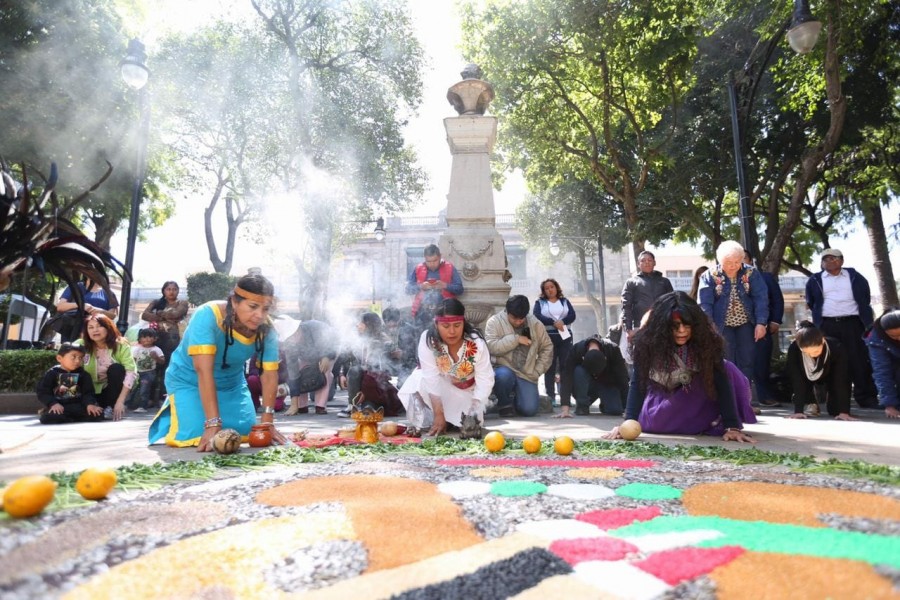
(601, 548)
(619, 517)
(524, 462)
(684, 564)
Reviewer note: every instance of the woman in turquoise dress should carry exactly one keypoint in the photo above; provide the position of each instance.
(205, 380)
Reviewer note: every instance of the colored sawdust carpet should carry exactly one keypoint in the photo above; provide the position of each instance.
(415, 526)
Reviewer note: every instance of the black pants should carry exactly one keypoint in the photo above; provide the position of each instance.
(849, 331)
(115, 378)
(561, 349)
(71, 414)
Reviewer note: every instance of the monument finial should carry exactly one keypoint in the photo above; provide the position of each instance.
(472, 95)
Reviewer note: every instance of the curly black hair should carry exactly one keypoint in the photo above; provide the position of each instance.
(654, 343)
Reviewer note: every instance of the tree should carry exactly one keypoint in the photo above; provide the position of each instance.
(64, 101)
(582, 88)
(352, 73)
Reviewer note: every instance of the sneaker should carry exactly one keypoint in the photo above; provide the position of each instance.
(108, 412)
(811, 410)
(582, 412)
(506, 412)
(140, 409)
(770, 402)
(344, 414)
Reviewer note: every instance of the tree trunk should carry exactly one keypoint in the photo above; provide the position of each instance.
(813, 157)
(884, 271)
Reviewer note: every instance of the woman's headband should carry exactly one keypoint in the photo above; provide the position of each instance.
(258, 298)
(449, 319)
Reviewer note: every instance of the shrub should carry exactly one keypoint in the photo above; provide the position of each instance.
(206, 287)
(20, 370)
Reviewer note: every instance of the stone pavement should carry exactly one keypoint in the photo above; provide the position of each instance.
(28, 448)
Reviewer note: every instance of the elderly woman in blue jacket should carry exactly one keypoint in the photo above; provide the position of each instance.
(883, 343)
(734, 295)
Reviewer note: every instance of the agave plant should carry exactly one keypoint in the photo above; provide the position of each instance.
(32, 235)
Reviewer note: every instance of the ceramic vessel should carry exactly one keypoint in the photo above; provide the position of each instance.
(261, 435)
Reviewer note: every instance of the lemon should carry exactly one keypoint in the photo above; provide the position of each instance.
(95, 484)
(494, 441)
(564, 445)
(532, 444)
(27, 496)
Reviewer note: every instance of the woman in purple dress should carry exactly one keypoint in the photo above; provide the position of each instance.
(681, 383)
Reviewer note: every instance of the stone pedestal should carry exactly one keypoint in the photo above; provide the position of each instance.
(471, 241)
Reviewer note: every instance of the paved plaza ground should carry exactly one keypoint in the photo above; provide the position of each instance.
(30, 448)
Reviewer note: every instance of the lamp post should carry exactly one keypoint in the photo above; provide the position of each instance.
(802, 33)
(554, 250)
(135, 74)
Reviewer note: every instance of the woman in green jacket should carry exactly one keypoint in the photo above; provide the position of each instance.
(109, 362)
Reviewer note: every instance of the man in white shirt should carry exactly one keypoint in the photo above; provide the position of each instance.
(841, 305)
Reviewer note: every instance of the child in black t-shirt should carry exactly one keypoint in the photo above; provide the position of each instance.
(66, 390)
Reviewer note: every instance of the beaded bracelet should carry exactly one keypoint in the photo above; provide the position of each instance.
(214, 422)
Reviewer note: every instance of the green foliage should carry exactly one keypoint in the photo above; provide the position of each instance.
(20, 370)
(206, 287)
(64, 100)
(583, 90)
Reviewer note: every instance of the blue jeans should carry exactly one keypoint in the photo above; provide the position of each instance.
(515, 391)
(586, 390)
(740, 348)
(148, 378)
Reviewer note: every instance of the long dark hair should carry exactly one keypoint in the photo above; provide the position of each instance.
(655, 347)
(162, 303)
(255, 284)
(374, 324)
(450, 307)
(112, 333)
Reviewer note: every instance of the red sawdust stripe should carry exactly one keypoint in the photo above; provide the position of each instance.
(398, 520)
(546, 462)
(755, 575)
(789, 504)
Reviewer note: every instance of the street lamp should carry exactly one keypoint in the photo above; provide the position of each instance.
(802, 32)
(554, 250)
(136, 75)
(379, 229)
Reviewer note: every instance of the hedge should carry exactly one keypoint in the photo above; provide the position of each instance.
(20, 370)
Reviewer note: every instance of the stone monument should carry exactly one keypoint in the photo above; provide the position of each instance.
(471, 241)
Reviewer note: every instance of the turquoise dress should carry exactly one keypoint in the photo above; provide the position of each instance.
(181, 419)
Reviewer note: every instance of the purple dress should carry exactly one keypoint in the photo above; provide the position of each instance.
(688, 410)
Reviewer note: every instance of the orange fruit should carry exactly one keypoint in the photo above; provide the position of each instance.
(95, 484)
(532, 444)
(630, 429)
(494, 441)
(27, 496)
(563, 445)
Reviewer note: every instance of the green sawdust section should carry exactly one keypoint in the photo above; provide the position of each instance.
(761, 536)
(649, 491)
(142, 477)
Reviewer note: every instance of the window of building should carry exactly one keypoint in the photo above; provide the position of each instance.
(517, 265)
(671, 274)
(414, 255)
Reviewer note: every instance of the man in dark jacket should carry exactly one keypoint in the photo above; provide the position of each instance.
(763, 349)
(841, 305)
(641, 291)
(594, 369)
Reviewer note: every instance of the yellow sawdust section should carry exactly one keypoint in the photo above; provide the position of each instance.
(497, 472)
(399, 521)
(755, 575)
(436, 569)
(77, 536)
(231, 559)
(595, 473)
(790, 504)
(563, 586)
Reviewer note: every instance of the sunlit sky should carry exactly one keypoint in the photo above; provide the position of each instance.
(179, 248)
